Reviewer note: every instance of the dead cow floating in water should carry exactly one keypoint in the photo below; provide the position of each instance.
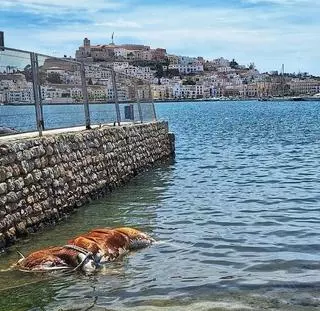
(86, 252)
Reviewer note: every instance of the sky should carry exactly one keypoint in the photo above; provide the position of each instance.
(267, 32)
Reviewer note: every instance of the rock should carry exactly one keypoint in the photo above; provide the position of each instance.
(3, 201)
(21, 228)
(37, 174)
(49, 150)
(27, 155)
(16, 170)
(25, 167)
(28, 180)
(19, 184)
(3, 173)
(12, 197)
(3, 188)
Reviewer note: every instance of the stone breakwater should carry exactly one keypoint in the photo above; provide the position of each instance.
(42, 179)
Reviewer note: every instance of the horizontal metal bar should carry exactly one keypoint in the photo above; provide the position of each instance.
(3, 48)
(14, 50)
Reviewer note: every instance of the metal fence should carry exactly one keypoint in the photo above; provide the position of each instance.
(40, 92)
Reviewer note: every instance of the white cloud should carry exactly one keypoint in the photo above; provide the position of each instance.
(268, 36)
(281, 2)
(119, 23)
(54, 6)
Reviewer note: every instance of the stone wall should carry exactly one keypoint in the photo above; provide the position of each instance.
(44, 178)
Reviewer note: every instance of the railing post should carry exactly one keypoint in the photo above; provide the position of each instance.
(138, 101)
(37, 92)
(85, 95)
(152, 103)
(115, 92)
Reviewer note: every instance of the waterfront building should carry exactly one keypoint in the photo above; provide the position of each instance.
(3, 97)
(76, 93)
(216, 91)
(191, 91)
(251, 90)
(306, 86)
(161, 92)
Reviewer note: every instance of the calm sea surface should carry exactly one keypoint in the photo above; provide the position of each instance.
(236, 217)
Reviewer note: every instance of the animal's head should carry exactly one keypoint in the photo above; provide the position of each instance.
(86, 263)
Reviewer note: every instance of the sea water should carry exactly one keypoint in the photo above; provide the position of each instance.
(235, 215)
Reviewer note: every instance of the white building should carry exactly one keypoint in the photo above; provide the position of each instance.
(221, 62)
(185, 60)
(161, 92)
(185, 69)
(120, 66)
(120, 52)
(20, 96)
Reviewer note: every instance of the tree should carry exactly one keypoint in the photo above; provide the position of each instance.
(27, 71)
(130, 55)
(189, 81)
(42, 76)
(173, 73)
(251, 66)
(159, 72)
(54, 77)
(234, 64)
(167, 63)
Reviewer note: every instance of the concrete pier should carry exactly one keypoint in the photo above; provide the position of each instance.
(43, 178)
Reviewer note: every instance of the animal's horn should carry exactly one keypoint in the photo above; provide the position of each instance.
(21, 255)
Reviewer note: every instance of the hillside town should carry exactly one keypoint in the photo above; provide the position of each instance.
(155, 73)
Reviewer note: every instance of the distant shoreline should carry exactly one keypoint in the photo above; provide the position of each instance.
(159, 101)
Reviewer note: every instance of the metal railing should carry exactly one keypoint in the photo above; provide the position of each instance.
(40, 92)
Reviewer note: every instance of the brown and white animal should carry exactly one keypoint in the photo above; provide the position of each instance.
(112, 243)
(86, 252)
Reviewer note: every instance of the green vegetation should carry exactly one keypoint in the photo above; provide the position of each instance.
(189, 81)
(234, 64)
(54, 77)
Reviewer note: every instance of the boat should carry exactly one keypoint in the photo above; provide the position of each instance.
(315, 97)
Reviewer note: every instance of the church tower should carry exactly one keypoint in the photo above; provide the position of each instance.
(86, 42)
(86, 47)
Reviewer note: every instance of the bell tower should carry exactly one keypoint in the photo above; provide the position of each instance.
(86, 46)
(86, 42)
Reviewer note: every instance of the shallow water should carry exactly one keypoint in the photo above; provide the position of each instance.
(236, 217)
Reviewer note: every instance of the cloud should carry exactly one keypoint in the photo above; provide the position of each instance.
(45, 5)
(281, 2)
(119, 23)
(268, 32)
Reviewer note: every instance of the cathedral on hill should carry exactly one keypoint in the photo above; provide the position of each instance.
(114, 52)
